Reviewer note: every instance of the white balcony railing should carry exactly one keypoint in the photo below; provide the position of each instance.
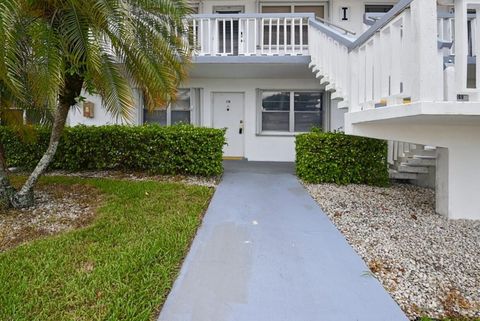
(250, 34)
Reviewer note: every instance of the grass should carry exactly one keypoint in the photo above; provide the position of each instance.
(121, 267)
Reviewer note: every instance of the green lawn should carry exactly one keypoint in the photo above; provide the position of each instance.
(121, 267)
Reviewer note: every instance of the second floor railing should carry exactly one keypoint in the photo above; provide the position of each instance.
(250, 34)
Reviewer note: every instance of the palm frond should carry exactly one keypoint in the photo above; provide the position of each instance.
(110, 45)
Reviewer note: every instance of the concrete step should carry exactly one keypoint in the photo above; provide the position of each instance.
(423, 152)
(412, 169)
(427, 162)
(424, 157)
(394, 174)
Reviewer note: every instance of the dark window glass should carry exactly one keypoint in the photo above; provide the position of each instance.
(275, 121)
(308, 101)
(275, 101)
(180, 117)
(305, 121)
(379, 8)
(308, 110)
(155, 117)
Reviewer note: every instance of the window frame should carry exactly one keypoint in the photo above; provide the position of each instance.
(291, 126)
(195, 102)
(292, 5)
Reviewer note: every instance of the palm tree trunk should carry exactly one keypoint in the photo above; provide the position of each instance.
(3, 161)
(73, 86)
(24, 197)
(6, 189)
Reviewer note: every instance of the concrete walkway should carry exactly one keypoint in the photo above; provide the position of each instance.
(266, 251)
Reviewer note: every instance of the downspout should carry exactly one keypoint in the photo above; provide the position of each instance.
(330, 10)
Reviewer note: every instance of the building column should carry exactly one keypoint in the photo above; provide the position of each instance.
(441, 182)
(458, 182)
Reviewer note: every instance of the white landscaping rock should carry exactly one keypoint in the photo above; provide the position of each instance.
(430, 265)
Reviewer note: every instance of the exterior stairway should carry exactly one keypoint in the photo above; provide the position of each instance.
(412, 162)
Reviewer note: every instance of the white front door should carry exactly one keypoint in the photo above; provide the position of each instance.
(228, 112)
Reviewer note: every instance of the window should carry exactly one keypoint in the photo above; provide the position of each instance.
(378, 8)
(276, 9)
(291, 111)
(276, 111)
(319, 11)
(179, 111)
(307, 109)
(157, 116)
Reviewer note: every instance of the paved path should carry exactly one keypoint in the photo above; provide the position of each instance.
(266, 251)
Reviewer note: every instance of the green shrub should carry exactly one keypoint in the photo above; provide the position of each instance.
(181, 149)
(341, 159)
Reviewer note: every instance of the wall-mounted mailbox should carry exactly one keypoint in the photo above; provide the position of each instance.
(88, 109)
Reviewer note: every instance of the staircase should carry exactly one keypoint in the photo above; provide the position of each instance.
(412, 162)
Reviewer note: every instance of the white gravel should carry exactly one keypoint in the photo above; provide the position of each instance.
(139, 176)
(430, 265)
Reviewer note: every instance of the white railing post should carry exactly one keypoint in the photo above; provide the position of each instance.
(408, 56)
(354, 76)
(461, 45)
(427, 84)
(377, 67)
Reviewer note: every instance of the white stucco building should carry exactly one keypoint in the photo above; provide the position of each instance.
(404, 71)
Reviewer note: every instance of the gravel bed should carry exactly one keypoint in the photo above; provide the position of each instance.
(58, 208)
(430, 265)
(140, 176)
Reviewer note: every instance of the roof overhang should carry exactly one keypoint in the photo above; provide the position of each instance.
(294, 67)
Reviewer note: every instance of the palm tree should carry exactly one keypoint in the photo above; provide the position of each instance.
(51, 50)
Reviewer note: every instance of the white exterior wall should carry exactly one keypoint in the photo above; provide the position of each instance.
(101, 115)
(336, 117)
(250, 6)
(356, 9)
(258, 147)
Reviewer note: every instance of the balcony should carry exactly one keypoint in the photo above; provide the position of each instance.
(250, 35)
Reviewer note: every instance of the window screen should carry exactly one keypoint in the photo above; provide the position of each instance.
(379, 8)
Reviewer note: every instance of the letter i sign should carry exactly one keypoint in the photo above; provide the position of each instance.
(345, 13)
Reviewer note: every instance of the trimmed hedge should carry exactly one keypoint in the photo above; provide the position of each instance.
(180, 149)
(341, 159)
